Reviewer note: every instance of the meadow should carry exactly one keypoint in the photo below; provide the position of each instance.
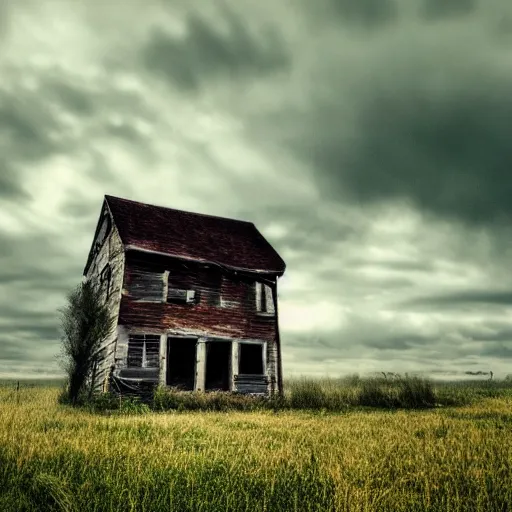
(322, 450)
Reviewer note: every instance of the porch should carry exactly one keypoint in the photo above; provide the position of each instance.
(194, 363)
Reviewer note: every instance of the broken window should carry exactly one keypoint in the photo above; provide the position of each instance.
(143, 351)
(181, 288)
(146, 286)
(250, 359)
(264, 299)
(104, 230)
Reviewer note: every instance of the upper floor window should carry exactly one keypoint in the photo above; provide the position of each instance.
(181, 288)
(105, 280)
(104, 230)
(143, 351)
(146, 286)
(175, 286)
(207, 284)
(264, 299)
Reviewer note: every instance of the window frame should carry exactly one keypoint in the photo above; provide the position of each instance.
(263, 294)
(136, 273)
(262, 345)
(106, 280)
(144, 358)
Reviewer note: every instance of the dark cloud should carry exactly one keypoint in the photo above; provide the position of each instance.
(24, 265)
(447, 153)
(307, 228)
(489, 332)
(61, 116)
(500, 351)
(420, 116)
(72, 97)
(79, 208)
(207, 53)
(10, 186)
(441, 9)
(469, 297)
(398, 341)
(37, 331)
(36, 273)
(363, 14)
(368, 13)
(4, 18)
(25, 125)
(392, 265)
(11, 352)
(124, 131)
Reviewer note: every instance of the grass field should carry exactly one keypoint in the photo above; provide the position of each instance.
(54, 457)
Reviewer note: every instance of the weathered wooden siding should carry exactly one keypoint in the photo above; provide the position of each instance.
(252, 384)
(225, 306)
(234, 315)
(110, 254)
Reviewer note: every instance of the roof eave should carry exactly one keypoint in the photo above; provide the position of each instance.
(133, 247)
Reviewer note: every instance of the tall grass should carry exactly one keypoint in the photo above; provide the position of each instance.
(54, 457)
(334, 395)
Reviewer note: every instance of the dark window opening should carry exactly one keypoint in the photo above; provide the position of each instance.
(105, 279)
(182, 288)
(218, 359)
(250, 361)
(181, 362)
(143, 351)
(104, 230)
(146, 286)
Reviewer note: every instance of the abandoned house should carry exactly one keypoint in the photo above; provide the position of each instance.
(194, 297)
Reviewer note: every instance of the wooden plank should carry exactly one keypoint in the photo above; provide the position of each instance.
(163, 359)
(234, 364)
(199, 383)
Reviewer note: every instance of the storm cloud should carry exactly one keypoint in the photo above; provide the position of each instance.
(205, 53)
(367, 140)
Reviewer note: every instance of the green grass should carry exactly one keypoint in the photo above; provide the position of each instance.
(300, 457)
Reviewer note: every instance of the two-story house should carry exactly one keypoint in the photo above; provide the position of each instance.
(194, 297)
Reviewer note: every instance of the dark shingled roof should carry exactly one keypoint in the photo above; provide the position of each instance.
(230, 242)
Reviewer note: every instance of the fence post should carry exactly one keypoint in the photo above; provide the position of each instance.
(18, 393)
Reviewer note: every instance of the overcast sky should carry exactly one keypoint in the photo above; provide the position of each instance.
(369, 141)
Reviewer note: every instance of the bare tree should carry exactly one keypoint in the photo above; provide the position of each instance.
(85, 323)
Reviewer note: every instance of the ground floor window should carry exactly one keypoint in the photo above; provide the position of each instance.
(250, 359)
(143, 351)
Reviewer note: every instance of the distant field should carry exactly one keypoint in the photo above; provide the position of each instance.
(45, 383)
(446, 458)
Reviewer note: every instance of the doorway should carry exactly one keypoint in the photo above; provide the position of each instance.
(181, 362)
(218, 365)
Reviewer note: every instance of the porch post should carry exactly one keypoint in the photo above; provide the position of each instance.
(200, 365)
(162, 376)
(234, 364)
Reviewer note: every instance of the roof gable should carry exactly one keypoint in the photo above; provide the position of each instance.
(105, 216)
(229, 242)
